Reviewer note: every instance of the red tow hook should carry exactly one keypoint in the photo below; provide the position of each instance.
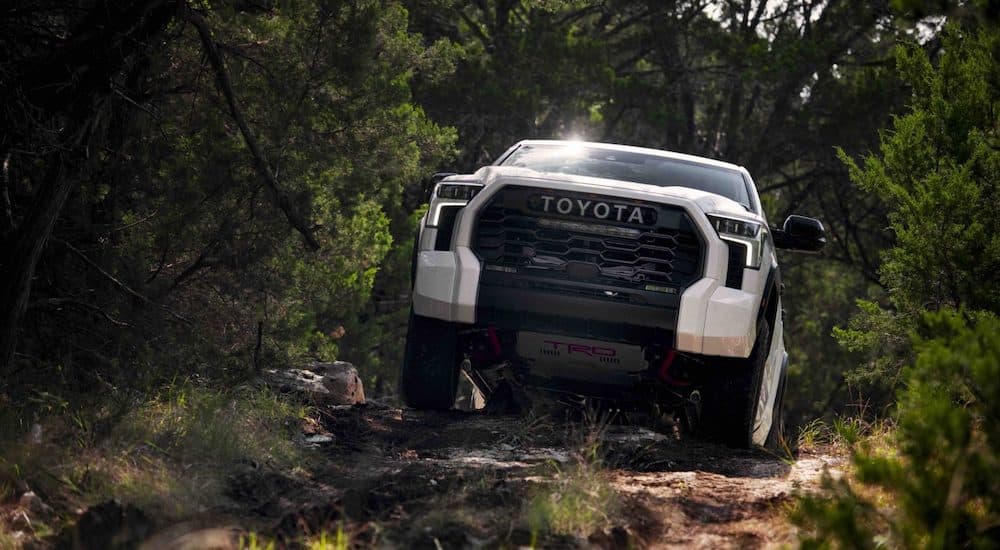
(664, 372)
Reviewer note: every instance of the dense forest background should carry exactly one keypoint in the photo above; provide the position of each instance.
(204, 188)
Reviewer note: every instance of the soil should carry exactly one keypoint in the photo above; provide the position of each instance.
(394, 478)
(401, 478)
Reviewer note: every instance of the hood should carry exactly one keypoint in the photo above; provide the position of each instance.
(710, 203)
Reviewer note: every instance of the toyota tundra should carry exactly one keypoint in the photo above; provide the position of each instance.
(637, 275)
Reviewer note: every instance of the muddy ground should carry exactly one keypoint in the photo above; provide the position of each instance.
(401, 478)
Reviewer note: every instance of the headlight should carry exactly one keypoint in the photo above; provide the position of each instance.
(457, 191)
(450, 195)
(746, 232)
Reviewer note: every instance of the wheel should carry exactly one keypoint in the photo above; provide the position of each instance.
(731, 398)
(429, 376)
(775, 437)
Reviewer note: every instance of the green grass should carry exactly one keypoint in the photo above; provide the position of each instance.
(8, 542)
(815, 433)
(578, 502)
(253, 541)
(326, 541)
(846, 431)
(191, 423)
(168, 455)
(338, 540)
(580, 499)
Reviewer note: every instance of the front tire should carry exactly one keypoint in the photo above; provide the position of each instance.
(776, 437)
(730, 407)
(429, 376)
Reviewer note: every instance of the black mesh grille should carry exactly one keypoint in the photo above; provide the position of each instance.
(511, 235)
(737, 260)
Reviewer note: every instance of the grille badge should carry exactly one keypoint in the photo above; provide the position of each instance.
(593, 209)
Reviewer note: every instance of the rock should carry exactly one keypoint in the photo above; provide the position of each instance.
(334, 383)
(341, 378)
(188, 537)
(111, 525)
(305, 382)
(319, 439)
(34, 505)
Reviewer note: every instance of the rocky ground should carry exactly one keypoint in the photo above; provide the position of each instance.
(399, 478)
(380, 476)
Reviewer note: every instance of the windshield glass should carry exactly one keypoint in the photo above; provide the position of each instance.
(630, 166)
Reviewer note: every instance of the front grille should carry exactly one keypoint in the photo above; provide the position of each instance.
(512, 237)
(737, 259)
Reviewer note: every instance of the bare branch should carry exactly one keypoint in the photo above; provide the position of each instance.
(58, 302)
(127, 289)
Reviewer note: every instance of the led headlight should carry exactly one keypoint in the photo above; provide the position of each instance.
(457, 191)
(745, 232)
(450, 195)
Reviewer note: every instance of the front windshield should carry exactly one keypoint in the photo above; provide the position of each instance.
(630, 166)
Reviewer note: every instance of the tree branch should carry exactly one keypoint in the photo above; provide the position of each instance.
(259, 160)
(127, 289)
(57, 302)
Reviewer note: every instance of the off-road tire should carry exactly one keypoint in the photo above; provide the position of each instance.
(775, 437)
(730, 401)
(428, 379)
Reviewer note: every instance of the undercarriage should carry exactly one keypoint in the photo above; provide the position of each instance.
(646, 379)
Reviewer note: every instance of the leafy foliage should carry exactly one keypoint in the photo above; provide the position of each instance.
(939, 489)
(938, 171)
(938, 342)
(346, 142)
(179, 249)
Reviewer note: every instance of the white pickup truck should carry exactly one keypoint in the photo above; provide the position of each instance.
(607, 271)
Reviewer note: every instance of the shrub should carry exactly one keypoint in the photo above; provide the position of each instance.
(939, 490)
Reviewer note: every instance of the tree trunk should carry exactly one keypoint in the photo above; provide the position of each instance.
(26, 246)
(63, 88)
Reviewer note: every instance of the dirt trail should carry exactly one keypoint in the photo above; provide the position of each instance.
(456, 479)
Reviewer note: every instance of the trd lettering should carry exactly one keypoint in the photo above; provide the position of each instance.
(582, 349)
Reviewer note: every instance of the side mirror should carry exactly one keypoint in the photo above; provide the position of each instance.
(800, 233)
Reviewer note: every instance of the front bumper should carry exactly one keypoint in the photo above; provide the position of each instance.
(705, 318)
(708, 318)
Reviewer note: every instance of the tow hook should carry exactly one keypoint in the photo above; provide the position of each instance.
(695, 397)
(692, 410)
(664, 371)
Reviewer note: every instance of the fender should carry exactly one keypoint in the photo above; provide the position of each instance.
(771, 285)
